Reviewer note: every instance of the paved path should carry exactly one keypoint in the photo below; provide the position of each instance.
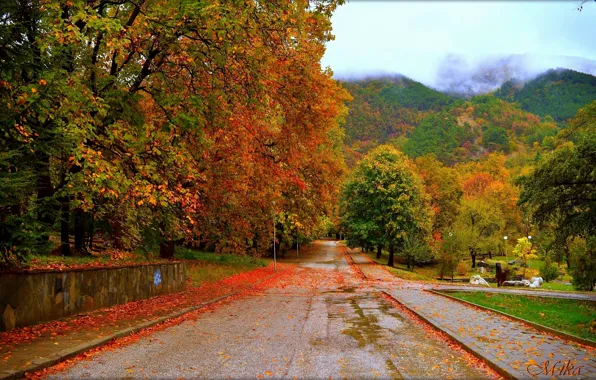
(519, 349)
(323, 321)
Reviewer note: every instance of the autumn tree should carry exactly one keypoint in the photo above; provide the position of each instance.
(383, 202)
(169, 121)
(444, 188)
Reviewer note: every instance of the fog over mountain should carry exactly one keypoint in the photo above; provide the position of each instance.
(459, 75)
(464, 47)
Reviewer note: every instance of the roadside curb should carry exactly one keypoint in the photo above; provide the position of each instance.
(352, 264)
(535, 325)
(493, 365)
(514, 291)
(43, 363)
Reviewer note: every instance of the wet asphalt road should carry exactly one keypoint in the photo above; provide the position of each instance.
(323, 321)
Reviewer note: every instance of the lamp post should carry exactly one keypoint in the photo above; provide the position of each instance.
(297, 244)
(506, 258)
(274, 255)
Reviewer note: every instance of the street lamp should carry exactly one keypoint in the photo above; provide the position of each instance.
(506, 258)
(274, 253)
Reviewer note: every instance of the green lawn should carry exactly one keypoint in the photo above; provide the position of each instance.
(400, 270)
(571, 316)
(211, 267)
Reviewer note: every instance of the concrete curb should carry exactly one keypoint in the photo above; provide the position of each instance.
(43, 363)
(496, 367)
(351, 262)
(537, 326)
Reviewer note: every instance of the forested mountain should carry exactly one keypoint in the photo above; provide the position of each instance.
(471, 128)
(559, 93)
(420, 120)
(388, 106)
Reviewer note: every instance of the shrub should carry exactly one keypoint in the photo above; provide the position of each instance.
(584, 265)
(549, 271)
(445, 267)
(463, 268)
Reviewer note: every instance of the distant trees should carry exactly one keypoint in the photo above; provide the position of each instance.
(383, 204)
(439, 135)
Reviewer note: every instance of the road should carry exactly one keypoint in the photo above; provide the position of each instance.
(321, 320)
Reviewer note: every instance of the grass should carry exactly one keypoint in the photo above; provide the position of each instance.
(94, 259)
(400, 270)
(570, 316)
(205, 267)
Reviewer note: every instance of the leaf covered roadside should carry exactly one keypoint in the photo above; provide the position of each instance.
(16, 346)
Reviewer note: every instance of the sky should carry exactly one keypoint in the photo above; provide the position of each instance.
(413, 37)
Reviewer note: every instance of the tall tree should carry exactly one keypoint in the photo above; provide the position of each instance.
(384, 201)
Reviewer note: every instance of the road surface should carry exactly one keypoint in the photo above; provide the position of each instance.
(322, 320)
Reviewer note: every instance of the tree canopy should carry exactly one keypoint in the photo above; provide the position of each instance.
(384, 202)
(165, 121)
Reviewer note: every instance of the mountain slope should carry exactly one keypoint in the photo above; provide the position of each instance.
(558, 93)
(388, 106)
(423, 121)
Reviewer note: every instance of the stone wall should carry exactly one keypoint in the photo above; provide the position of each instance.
(29, 298)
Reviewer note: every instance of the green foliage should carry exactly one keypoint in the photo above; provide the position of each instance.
(452, 249)
(583, 269)
(415, 250)
(386, 107)
(549, 271)
(558, 93)
(384, 203)
(561, 190)
(495, 139)
(209, 267)
(438, 135)
(524, 251)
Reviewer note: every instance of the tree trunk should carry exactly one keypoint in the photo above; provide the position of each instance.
(91, 226)
(64, 227)
(118, 232)
(379, 251)
(567, 257)
(166, 249)
(79, 230)
(391, 255)
(45, 190)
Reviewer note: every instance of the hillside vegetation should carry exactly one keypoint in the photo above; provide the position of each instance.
(558, 93)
